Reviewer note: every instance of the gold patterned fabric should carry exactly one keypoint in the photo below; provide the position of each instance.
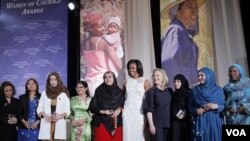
(53, 125)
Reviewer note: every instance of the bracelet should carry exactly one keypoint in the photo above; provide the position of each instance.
(41, 115)
(63, 116)
(119, 109)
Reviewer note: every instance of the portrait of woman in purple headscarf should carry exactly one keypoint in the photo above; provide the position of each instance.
(179, 51)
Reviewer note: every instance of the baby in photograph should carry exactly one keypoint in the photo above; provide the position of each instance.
(113, 39)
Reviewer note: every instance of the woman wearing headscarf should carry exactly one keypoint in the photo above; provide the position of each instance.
(237, 92)
(206, 105)
(179, 51)
(106, 105)
(179, 108)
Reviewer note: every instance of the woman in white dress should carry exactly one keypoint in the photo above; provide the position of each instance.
(133, 118)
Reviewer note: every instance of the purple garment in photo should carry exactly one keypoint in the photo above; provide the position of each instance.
(179, 53)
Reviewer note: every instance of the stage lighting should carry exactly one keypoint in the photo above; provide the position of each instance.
(72, 5)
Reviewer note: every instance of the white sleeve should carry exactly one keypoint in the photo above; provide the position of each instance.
(40, 107)
(66, 105)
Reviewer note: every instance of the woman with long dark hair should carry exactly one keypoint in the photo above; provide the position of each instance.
(28, 126)
(54, 109)
(80, 116)
(8, 112)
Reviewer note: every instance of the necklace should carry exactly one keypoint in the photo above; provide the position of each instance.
(83, 99)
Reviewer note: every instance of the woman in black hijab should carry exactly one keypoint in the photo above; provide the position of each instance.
(106, 105)
(180, 117)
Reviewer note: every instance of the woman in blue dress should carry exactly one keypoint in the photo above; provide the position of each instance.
(206, 105)
(237, 92)
(29, 121)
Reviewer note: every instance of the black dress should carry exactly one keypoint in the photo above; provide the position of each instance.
(8, 131)
(158, 102)
(180, 128)
(106, 97)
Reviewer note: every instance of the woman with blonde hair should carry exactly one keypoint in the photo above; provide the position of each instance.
(157, 106)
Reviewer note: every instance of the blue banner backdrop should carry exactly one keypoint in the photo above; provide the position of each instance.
(33, 41)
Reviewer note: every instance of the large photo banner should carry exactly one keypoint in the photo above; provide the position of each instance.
(33, 41)
(186, 38)
(102, 40)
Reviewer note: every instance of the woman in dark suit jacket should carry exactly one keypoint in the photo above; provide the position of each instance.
(29, 120)
(8, 112)
(157, 104)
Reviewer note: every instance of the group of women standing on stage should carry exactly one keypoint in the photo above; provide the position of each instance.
(34, 116)
(182, 114)
(127, 113)
(43, 116)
